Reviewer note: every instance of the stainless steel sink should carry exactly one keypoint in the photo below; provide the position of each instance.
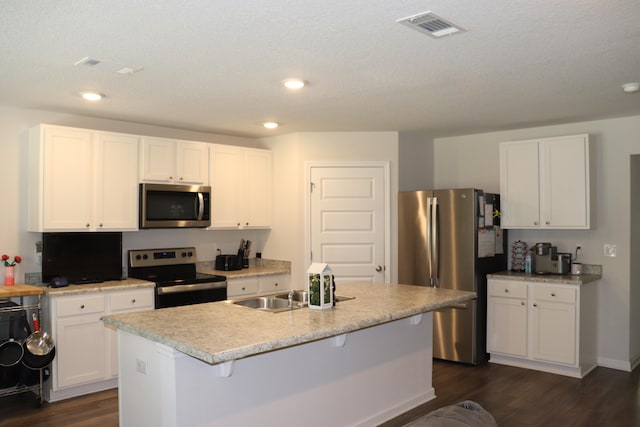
(280, 302)
(303, 297)
(271, 304)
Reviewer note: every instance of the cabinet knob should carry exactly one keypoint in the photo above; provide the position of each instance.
(506, 291)
(238, 224)
(521, 302)
(553, 294)
(87, 225)
(82, 307)
(243, 288)
(535, 222)
(548, 222)
(133, 301)
(379, 268)
(246, 223)
(100, 225)
(170, 177)
(181, 178)
(275, 284)
(535, 305)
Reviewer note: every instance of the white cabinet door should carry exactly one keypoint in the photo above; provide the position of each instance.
(553, 329)
(60, 179)
(82, 180)
(565, 193)
(507, 318)
(546, 183)
(241, 182)
(192, 163)
(80, 338)
(176, 162)
(116, 177)
(519, 184)
(157, 160)
(257, 187)
(226, 186)
(80, 350)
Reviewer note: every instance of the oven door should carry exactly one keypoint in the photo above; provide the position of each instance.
(174, 296)
(174, 206)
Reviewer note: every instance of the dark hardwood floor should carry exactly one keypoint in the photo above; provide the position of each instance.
(516, 398)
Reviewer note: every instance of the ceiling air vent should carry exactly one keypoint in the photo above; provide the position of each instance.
(112, 67)
(431, 24)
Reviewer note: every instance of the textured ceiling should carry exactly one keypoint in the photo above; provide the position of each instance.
(217, 65)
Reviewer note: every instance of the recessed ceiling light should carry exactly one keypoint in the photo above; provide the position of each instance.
(92, 96)
(631, 87)
(270, 125)
(294, 84)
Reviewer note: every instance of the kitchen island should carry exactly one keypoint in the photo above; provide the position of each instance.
(363, 362)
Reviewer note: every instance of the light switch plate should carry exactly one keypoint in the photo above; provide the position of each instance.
(610, 250)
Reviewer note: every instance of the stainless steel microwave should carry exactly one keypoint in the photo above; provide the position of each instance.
(175, 206)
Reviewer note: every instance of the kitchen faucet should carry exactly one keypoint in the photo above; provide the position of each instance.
(290, 297)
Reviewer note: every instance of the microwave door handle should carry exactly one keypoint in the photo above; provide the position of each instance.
(200, 206)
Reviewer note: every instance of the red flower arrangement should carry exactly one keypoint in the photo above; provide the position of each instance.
(16, 260)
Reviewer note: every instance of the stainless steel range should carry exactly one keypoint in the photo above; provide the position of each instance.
(173, 270)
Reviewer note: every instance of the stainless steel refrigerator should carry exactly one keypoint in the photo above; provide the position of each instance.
(445, 240)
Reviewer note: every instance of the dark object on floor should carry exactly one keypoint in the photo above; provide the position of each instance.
(463, 414)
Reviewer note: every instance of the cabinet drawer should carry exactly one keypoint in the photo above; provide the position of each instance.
(565, 294)
(500, 288)
(273, 283)
(241, 287)
(132, 300)
(84, 304)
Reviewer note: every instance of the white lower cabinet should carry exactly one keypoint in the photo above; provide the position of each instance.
(86, 350)
(257, 285)
(548, 327)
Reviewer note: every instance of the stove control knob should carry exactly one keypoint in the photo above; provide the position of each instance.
(190, 254)
(138, 257)
(184, 254)
(145, 256)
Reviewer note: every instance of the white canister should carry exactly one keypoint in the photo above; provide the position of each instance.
(576, 268)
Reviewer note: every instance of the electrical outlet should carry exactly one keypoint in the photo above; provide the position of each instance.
(141, 366)
(610, 250)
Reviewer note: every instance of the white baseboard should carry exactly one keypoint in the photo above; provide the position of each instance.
(621, 365)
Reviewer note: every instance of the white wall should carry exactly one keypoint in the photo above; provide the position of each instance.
(15, 240)
(415, 160)
(290, 152)
(472, 160)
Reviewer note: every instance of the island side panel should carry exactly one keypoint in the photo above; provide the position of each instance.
(377, 374)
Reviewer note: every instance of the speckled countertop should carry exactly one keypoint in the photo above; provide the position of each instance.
(220, 331)
(257, 267)
(568, 279)
(112, 285)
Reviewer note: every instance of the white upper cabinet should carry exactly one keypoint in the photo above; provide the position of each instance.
(241, 184)
(175, 162)
(81, 180)
(546, 183)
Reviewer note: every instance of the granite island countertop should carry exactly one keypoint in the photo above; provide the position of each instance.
(111, 285)
(221, 331)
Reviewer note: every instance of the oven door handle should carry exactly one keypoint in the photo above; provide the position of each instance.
(164, 290)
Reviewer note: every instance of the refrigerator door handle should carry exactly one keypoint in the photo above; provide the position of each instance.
(428, 242)
(435, 276)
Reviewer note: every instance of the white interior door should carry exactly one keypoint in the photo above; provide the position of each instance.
(348, 211)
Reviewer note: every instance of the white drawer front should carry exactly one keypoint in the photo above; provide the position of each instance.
(500, 288)
(273, 283)
(555, 293)
(241, 287)
(132, 300)
(82, 304)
